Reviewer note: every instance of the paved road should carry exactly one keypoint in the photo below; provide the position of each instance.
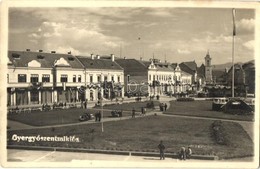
(86, 159)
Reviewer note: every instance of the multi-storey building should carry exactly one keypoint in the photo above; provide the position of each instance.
(161, 78)
(153, 77)
(38, 77)
(104, 78)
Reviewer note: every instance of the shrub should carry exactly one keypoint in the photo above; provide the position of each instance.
(185, 99)
(218, 133)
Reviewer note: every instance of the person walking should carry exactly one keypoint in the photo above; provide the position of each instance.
(142, 110)
(183, 153)
(161, 149)
(133, 112)
(85, 104)
(165, 107)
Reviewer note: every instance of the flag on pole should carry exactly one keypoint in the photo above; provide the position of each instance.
(234, 23)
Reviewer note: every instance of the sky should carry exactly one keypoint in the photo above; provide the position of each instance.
(175, 34)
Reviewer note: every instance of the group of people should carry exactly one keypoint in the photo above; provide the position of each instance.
(143, 112)
(163, 106)
(183, 154)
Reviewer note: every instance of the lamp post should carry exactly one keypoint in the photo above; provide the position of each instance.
(102, 125)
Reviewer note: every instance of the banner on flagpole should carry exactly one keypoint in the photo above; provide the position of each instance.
(234, 23)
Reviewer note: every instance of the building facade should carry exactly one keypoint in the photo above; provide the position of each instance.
(36, 78)
(104, 78)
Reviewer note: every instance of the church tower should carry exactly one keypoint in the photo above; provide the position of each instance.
(208, 69)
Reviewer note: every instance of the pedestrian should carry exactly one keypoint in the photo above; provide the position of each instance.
(133, 112)
(188, 153)
(99, 116)
(85, 104)
(142, 110)
(161, 149)
(165, 106)
(183, 153)
(96, 116)
(161, 106)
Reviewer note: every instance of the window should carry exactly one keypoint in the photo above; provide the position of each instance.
(128, 78)
(64, 78)
(91, 78)
(118, 79)
(79, 78)
(74, 78)
(99, 78)
(21, 78)
(150, 77)
(7, 78)
(105, 78)
(34, 78)
(45, 78)
(112, 78)
(153, 77)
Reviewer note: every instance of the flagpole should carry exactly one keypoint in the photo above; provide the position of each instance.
(233, 52)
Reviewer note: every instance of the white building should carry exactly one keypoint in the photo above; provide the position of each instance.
(103, 77)
(34, 78)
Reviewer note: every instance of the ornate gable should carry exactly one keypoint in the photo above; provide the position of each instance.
(34, 63)
(61, 62)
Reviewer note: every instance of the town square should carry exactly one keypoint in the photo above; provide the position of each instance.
(137, 84)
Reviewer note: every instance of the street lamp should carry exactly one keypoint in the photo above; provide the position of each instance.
(102, 125)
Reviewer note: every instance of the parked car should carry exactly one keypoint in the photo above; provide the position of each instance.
(217, 103)
(86, 117)
(116, 113)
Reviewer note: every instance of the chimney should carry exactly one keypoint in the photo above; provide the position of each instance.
(98, 57)
(92, 56)
(112, 57)
(53, 51)
(40, 50)
(28, 50)
(141, 58)
(69, 52)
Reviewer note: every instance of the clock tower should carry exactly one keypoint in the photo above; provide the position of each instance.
(208, 69)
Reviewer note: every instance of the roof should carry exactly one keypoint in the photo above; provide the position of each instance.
(201, 71)
(249, 65)
(186, 69)
(164, 67)
(133, 67)
(174, 65)
(218, 73)
(101, 63)
(46, 60)
(192, 65)
(236, 66)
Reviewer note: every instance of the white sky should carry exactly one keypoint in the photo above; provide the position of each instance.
(180, 34)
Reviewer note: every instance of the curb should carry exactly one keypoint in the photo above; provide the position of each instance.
(114, 152)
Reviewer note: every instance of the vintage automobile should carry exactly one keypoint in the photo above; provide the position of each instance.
(86, 117)
(218, 103)
(116, 113)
